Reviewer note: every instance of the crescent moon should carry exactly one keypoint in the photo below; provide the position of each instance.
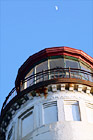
(56, 8)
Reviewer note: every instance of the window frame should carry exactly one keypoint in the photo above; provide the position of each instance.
(47, 105)
(72, 102)
(10, 134)
(90, 106)
(20, 119)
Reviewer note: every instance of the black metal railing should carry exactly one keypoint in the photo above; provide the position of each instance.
(56, 73)
(48, 75)
(10, 96)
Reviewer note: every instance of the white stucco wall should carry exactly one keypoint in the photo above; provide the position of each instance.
(60, 130)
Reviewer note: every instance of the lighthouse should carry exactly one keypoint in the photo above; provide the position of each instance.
(52, 98)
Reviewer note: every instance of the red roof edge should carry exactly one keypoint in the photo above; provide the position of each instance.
(54, 51)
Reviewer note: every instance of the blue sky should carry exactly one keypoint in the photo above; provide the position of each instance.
(28, 26)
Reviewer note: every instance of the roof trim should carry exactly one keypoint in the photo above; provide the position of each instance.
(54, 51)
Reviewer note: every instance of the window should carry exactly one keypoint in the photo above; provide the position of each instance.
(72, 112)
(86, 76)
(71, 63)
(50, 112)
(40, 68)
(10, 134)
(30, 79)
(27, 123)
(89, 112)
(54, 63)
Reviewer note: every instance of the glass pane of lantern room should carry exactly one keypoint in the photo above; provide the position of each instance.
(31, 79)
(50, 114)
(86, 76)
(71, 64)
(28, 80)
(83, 67)
(41, 68)
(56, 63)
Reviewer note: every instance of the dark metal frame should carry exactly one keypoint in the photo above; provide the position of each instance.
(50, 74)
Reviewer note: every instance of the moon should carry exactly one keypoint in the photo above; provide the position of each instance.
(56, 8)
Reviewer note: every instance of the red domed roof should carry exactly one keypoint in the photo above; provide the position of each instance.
(48, 52)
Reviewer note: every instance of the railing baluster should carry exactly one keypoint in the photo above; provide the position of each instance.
(69, 73)
(42, 75)
(55, 73)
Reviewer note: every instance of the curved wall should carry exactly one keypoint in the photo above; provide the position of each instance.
(61, 115)
(52, 98)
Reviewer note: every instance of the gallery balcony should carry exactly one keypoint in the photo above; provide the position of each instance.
(51, 76)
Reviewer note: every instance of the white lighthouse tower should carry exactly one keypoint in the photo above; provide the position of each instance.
(52, 98)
